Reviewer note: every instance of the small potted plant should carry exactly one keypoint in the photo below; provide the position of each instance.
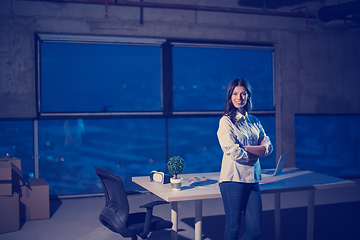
(175, 166)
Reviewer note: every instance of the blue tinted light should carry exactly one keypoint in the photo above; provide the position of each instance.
(321, 140)
(78, 77)
(201, 75)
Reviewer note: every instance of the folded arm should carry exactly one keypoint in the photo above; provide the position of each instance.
(264, 149)
(231, 145)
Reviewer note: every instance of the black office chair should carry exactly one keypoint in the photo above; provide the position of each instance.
(115, 215)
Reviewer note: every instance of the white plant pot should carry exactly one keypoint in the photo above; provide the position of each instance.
(176, 183)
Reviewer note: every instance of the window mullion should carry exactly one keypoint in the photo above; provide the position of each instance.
(167, 79)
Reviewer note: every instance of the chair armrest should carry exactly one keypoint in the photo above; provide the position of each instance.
(153, 204)
(149, 207)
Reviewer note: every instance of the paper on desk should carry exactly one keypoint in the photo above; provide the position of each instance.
(201, 181)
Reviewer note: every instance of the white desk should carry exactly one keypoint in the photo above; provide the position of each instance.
(291, 179)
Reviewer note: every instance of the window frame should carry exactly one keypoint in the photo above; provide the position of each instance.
(86, 39)
(216, 44)
(166, 75)
(167, 110)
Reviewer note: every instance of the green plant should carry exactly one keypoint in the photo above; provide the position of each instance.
(176, 165)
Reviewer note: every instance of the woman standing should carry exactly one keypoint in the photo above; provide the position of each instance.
(243, 141)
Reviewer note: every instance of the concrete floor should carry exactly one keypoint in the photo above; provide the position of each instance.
(337, 216)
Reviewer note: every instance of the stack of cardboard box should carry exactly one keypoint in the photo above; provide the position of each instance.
(20, 201)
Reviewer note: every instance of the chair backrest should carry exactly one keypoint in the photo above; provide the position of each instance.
(116, 211)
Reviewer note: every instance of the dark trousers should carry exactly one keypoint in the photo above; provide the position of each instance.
(238, 198)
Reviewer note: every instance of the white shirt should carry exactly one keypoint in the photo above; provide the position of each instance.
(236, 165)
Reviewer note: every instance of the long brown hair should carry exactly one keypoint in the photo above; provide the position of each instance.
(230, 110)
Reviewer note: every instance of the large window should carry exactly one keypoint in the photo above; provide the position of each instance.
(195, 139)
(129, 104)
(79, 77)
(70, 149)
(328, 144)
(17, 140)
(202, 73)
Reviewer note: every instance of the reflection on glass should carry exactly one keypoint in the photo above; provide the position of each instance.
(195, 140)
(17, 141)
(328, 144)
(202, 74)
(70, 149)
(78, 77)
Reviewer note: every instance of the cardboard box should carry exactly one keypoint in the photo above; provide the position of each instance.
(10, 176)
(9, 213)
(16, 161)
(35, 198)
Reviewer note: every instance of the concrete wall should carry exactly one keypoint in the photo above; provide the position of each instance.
(316, 66)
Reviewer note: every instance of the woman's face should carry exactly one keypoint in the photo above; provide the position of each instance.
(239, 97)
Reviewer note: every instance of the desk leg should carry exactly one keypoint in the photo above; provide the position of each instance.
(310, 215)
(277, 216)
(198, 219)
(174, 220)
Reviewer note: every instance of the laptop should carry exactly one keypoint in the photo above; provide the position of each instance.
(279, 167)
